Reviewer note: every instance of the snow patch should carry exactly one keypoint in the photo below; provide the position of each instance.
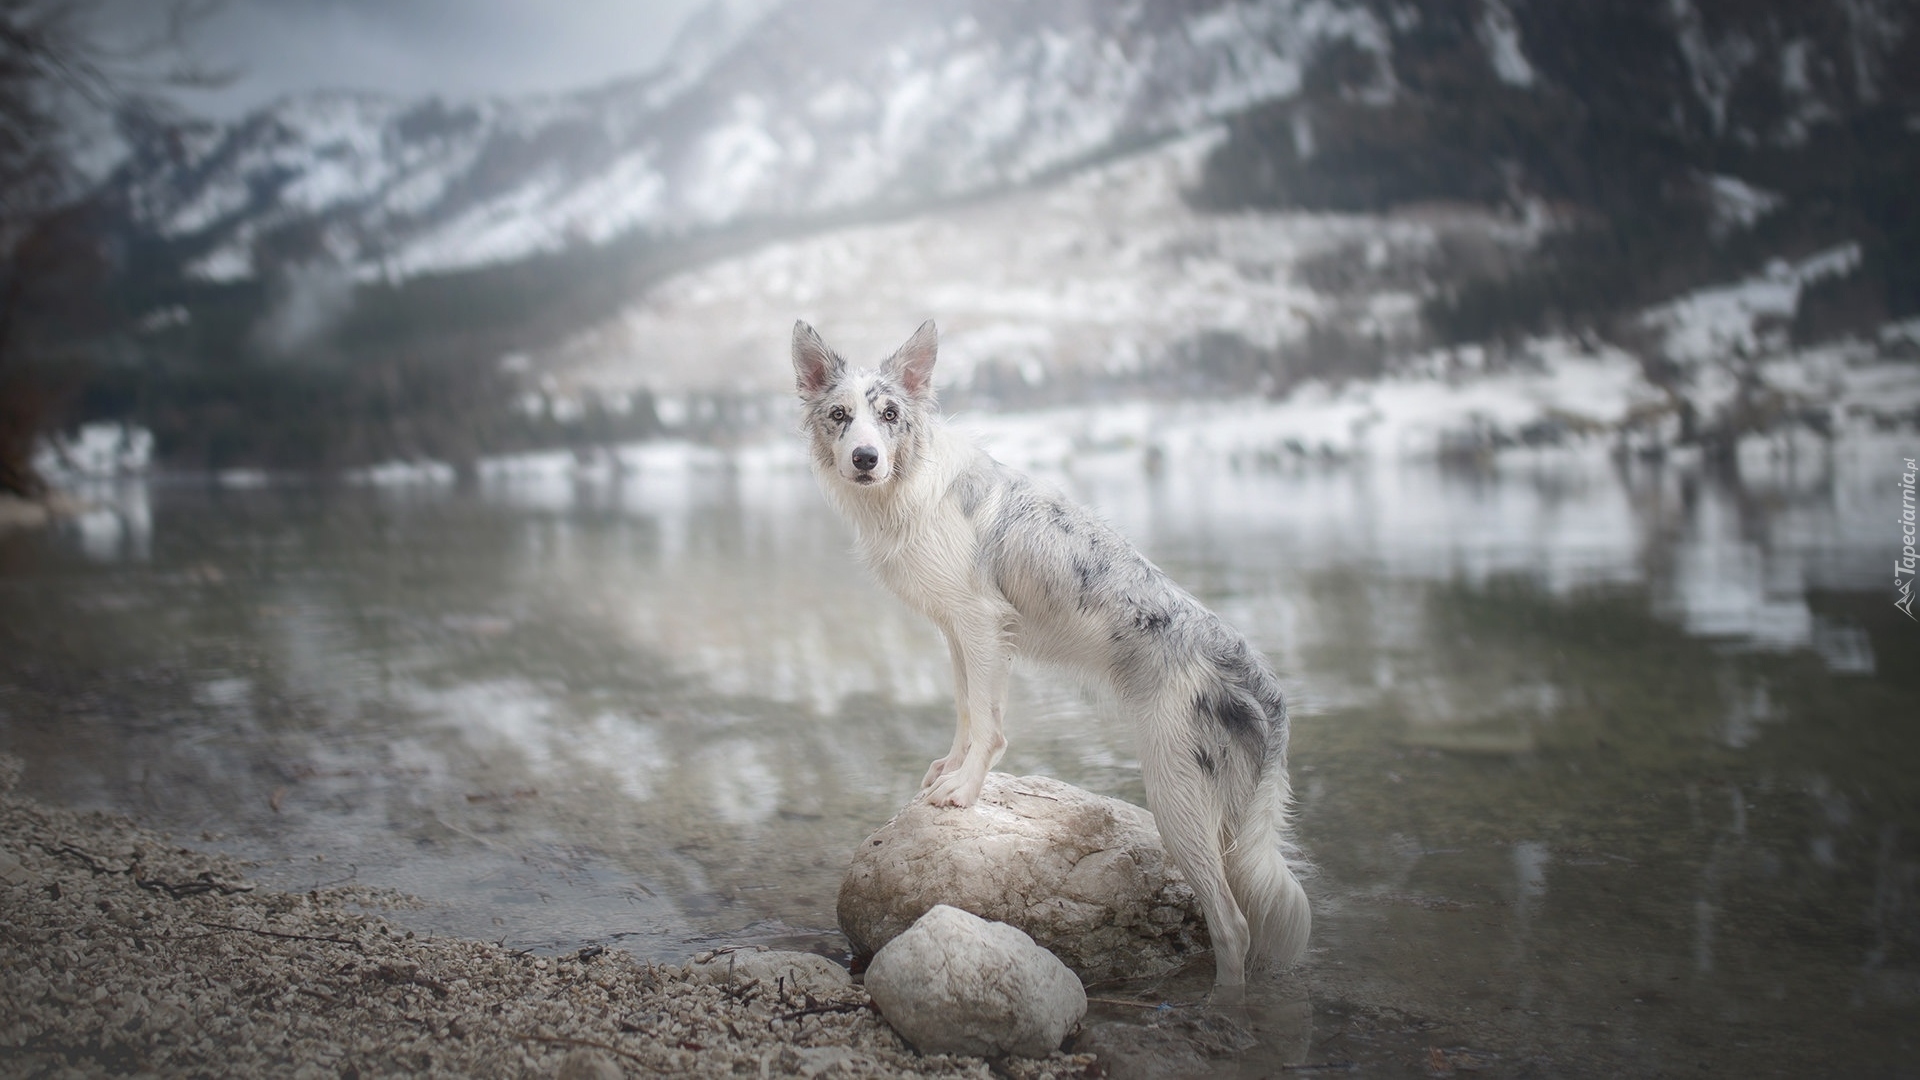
(1734, 320)
(1565, 394)
(417, 473)
(226, 263)
(100, 450)
(1738, 204)
(1500, 35)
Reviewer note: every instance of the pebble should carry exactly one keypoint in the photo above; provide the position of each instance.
(589, 1064)
(11, 872)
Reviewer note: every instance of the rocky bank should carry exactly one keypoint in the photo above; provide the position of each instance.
(126, 953)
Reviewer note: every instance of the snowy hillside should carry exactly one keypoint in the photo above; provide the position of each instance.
(791, 109)
(1107, 273)
(812, 107)
(1039, 288)
(1483, 222)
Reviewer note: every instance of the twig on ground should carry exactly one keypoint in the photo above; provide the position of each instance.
(816, 1010)
(277, 934)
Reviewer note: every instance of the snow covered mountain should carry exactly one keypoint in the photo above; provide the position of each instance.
(787, 110)
(1682, 202)
(802, 108)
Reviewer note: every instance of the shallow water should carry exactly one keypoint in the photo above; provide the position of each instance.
(1605, 768)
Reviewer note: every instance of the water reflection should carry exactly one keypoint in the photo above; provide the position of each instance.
(1589, 754)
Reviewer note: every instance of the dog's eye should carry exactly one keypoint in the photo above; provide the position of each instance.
(890, 414)
(837, 414)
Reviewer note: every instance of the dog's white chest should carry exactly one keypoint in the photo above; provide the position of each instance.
(929, 562)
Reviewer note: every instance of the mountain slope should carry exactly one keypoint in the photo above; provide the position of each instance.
(794, 110)
(1677, 143)
(813, 107)
(1510, 171)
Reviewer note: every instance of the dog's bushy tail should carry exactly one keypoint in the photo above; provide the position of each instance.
(1214, 756)
(1260, 868)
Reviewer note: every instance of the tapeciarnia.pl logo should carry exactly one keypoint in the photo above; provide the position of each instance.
(1903, 567)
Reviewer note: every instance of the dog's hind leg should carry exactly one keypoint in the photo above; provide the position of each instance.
(1186, 806)
(958, 752)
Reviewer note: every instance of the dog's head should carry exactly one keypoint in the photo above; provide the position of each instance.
(864, 425)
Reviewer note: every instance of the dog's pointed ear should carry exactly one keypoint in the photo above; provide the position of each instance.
(912, 363)
(815, 366)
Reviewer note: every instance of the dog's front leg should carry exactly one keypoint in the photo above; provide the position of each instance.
(985, 651)
(958, 752)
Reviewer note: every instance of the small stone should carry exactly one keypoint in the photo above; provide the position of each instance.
(818, 1060)
(586, 1063)
(955, 983)
(12, 872)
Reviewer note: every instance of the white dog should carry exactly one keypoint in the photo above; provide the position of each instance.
(1003, 565)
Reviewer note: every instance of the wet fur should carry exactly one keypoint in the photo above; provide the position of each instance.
(1004, 566)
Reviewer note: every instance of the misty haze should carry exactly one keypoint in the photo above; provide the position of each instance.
(401, 492)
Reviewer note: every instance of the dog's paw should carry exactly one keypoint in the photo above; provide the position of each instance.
(957, 789)
(934, 773)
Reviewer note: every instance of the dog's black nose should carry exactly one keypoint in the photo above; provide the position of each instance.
(865, 458)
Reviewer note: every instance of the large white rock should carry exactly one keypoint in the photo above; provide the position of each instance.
(1083, 874)
(955, 983)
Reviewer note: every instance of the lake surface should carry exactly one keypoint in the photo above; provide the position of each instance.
(1607, 767)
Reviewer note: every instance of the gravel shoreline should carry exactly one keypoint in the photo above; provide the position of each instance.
(125, 953)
